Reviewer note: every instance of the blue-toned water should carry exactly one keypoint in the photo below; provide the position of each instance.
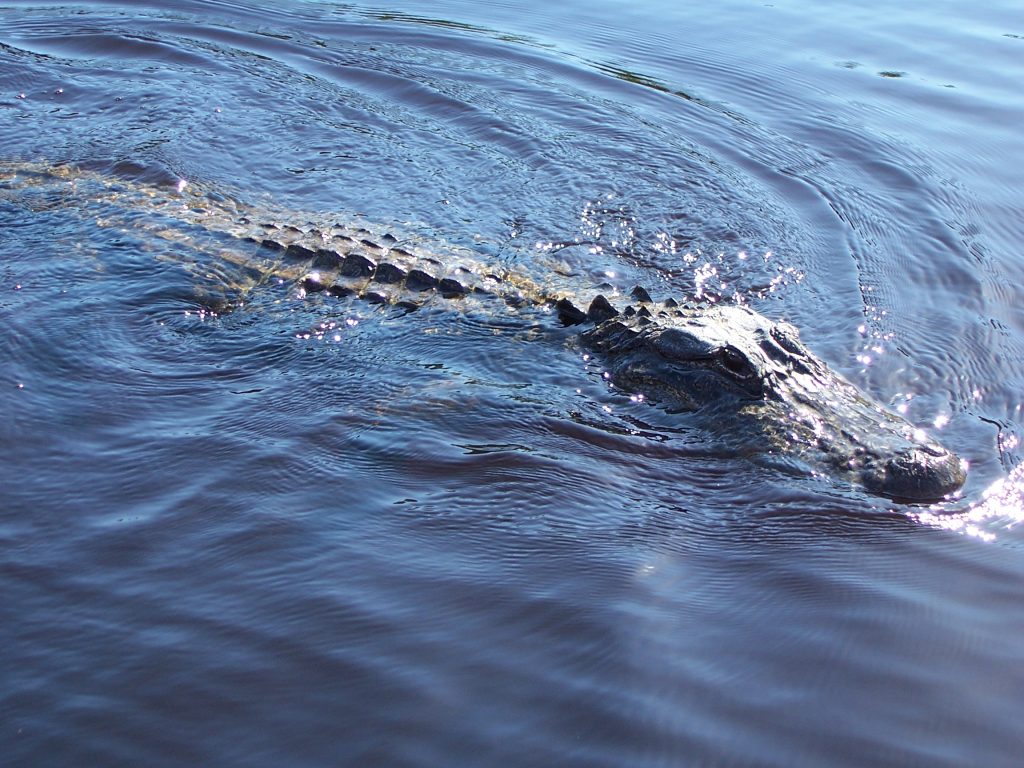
(313, 531)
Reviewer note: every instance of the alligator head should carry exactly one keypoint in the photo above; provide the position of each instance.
(688, 358)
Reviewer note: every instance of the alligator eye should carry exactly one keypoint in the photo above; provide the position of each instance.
(735, 362)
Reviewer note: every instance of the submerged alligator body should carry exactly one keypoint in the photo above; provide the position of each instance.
(686, 356)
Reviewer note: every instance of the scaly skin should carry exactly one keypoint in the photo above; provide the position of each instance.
(685, 356)
(695, 356)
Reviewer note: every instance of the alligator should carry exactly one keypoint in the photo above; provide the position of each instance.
(683, 355)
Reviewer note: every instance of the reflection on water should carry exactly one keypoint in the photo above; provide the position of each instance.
(1000, 509)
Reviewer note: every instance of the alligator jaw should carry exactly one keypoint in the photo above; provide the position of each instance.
(876, 447)
(852, 437)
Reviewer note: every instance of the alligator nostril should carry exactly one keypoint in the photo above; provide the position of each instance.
(922, 473)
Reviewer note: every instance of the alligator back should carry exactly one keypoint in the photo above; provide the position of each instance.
(246, 245)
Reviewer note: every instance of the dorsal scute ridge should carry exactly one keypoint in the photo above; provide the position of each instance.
(601, 309)
(640, 294)
(569, 313)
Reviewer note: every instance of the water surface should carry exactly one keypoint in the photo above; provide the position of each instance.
(313, 532)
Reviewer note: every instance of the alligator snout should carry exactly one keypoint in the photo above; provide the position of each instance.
(918, 473)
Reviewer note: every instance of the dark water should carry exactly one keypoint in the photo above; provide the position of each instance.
(232, 539)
